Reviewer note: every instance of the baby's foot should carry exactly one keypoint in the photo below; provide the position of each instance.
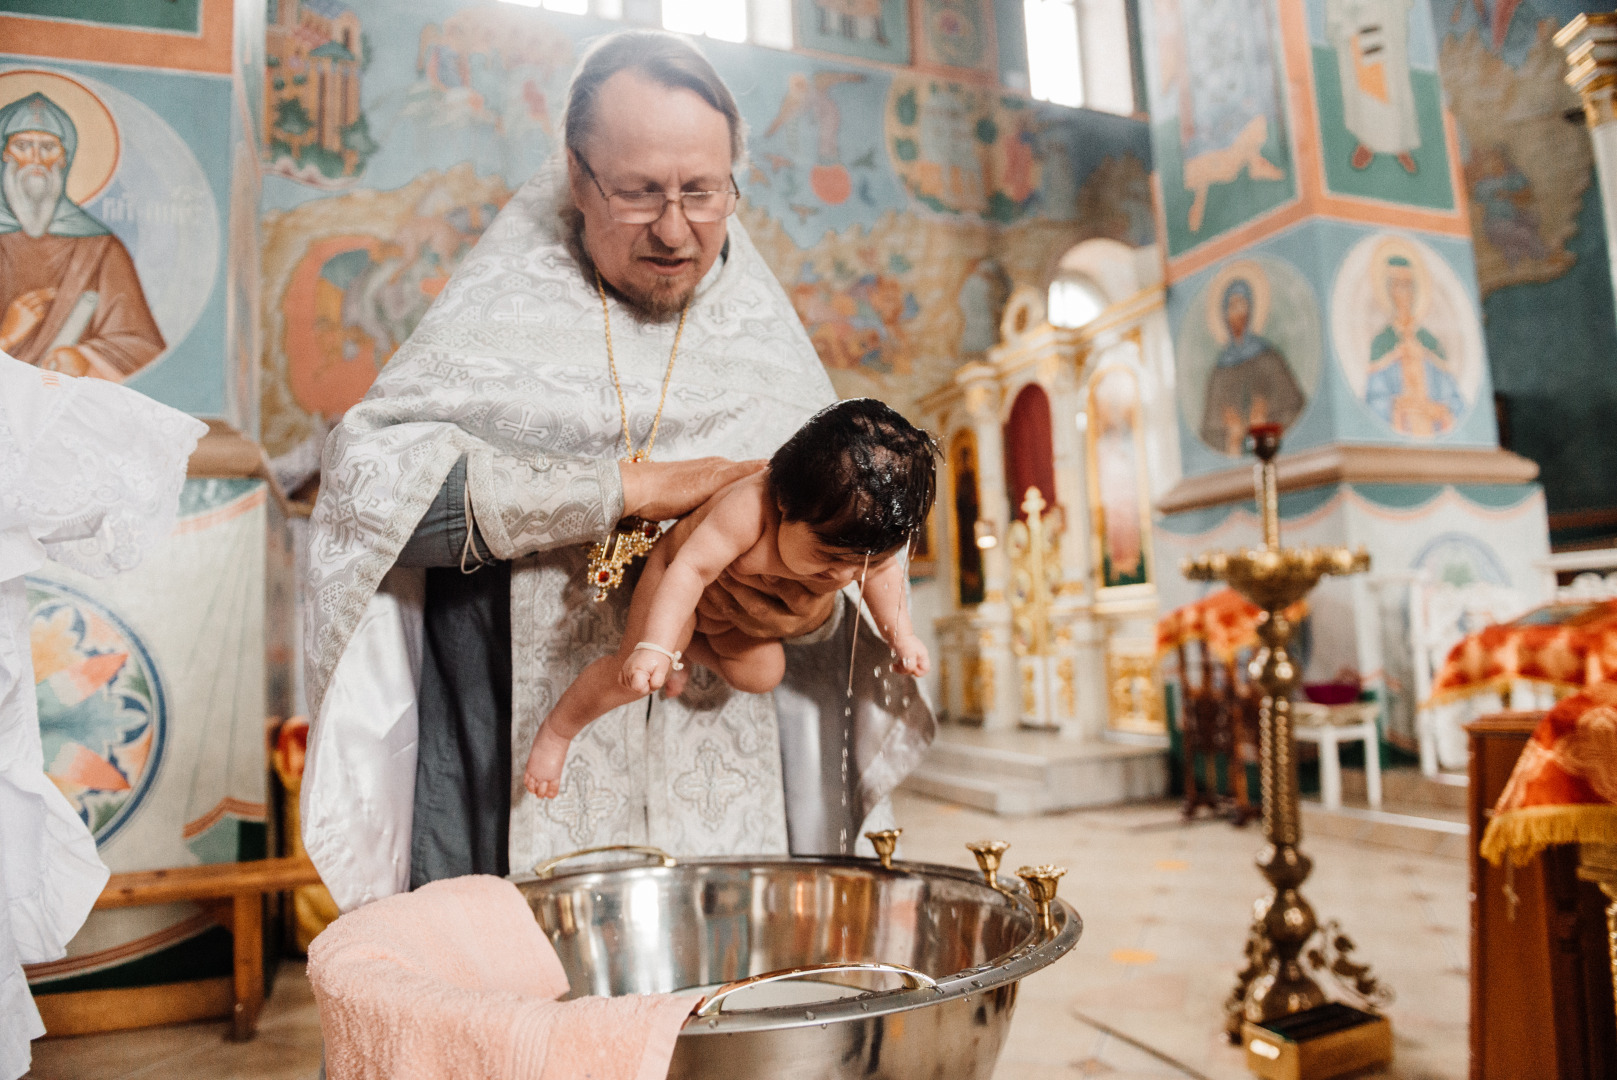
(542, 776)
(646, 671)
(675, 685)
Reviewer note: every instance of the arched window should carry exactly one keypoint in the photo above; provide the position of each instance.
(1074, 300)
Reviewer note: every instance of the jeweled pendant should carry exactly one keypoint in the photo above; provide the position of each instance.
(608, 559)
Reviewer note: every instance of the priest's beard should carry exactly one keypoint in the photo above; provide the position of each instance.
(656, 305)
(32, 192)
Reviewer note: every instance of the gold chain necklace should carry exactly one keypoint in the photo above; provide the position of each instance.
(632, 537)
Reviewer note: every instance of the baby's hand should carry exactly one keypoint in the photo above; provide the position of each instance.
(645, 671)
(910, 657)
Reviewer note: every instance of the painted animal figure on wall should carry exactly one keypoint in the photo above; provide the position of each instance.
(70, 298)
(1219, 57)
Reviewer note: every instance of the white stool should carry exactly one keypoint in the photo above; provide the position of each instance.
(1331, 725)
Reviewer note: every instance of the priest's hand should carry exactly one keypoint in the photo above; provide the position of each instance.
(789, 610)
(659, 490)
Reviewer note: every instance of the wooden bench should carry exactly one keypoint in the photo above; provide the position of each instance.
(233, 895)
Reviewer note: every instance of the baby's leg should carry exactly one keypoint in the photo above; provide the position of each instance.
(598, 690)
(751, 665)
(595, 692)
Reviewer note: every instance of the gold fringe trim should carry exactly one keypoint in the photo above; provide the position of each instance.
(1501, 685)
(1520, 835)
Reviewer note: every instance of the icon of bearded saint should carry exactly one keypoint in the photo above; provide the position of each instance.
(70, 299)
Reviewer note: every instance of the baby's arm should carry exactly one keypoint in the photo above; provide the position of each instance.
(733, 526)
(884, 592)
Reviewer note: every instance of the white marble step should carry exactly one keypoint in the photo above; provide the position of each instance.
(1027, 772)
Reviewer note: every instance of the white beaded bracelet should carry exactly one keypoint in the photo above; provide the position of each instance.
(654, 647)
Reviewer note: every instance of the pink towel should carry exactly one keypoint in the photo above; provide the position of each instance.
(456, 980)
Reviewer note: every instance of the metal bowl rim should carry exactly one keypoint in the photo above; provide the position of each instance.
(1028, 956)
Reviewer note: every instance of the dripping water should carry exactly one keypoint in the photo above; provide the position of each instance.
(847, 708)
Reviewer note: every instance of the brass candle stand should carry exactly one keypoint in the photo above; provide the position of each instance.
(1276, 981)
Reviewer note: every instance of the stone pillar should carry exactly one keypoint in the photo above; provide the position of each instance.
(1590, 41)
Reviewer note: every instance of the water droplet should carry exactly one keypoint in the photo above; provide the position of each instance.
(876, 671)
(713, 1023)
(809, 1013)
(824, 1026)
(976, 985)
(863, 1007)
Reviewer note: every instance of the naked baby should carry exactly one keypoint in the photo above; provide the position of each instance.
(841, 501)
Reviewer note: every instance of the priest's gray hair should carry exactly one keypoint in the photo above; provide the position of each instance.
(666, 59)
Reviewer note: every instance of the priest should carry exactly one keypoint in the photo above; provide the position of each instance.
(614, 348)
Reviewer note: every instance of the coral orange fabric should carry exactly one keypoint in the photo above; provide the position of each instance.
(313, 909)
(1564, 787)
(1564, 645)
(1224, 619)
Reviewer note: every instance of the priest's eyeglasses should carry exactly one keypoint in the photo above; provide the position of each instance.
(645, 207)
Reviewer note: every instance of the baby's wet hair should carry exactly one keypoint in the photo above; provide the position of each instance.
(858, 474)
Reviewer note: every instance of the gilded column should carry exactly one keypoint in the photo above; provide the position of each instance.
(997, 669)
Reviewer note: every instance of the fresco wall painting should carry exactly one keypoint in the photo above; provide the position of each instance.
(1382, 129)
(178, 35)
(1541, 250)
(1350, 314)
(314, 126)
(1248, 351)
(128, 137)
(88, 159)
(968, 557)
(956, 34)
(1220, 130)
(1407, 336)
(1346, 95)
(1374, 159)
(1120, 501)
(152, 715)
(896, 207)
(864, 29)
(345, 281)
